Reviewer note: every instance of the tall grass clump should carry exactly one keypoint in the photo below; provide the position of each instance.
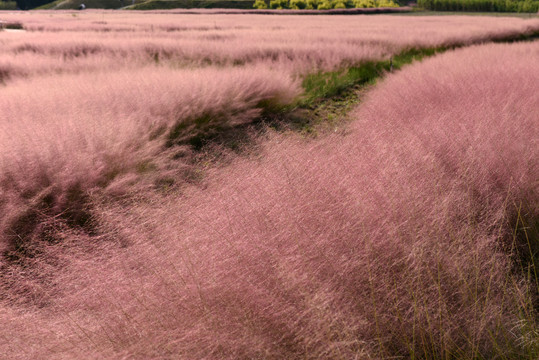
(96, 40)
(61, 137)
(397, 237)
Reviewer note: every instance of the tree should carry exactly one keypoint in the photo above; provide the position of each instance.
(260, 4)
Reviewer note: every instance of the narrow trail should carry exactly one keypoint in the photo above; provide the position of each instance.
(327, 100)
(330, 96)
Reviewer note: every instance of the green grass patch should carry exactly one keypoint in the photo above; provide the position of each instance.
(324, 85)
(329, 95)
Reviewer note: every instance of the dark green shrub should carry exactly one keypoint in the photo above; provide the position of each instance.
(387, 3)
(324, 5)
(279, 4)
(260, 4)
(364, 4)
(338, 4)
(298, 4)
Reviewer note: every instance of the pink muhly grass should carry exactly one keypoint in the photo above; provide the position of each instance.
(68, 134)
(301, 44)
(477, 121)
(385, 240)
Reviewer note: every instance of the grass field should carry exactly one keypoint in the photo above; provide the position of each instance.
(149, 5)
(476, 13)
(158, 201)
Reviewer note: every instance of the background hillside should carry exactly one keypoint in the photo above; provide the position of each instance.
(526, 6)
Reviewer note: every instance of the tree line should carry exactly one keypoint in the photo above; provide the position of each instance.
(526, 6)
(322, 4)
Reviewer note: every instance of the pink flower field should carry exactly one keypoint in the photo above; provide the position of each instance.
(408, 230)
(74, 42)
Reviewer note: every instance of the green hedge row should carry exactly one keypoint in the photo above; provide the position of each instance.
(528, 6)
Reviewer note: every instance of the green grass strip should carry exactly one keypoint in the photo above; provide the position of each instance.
(326, 85)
